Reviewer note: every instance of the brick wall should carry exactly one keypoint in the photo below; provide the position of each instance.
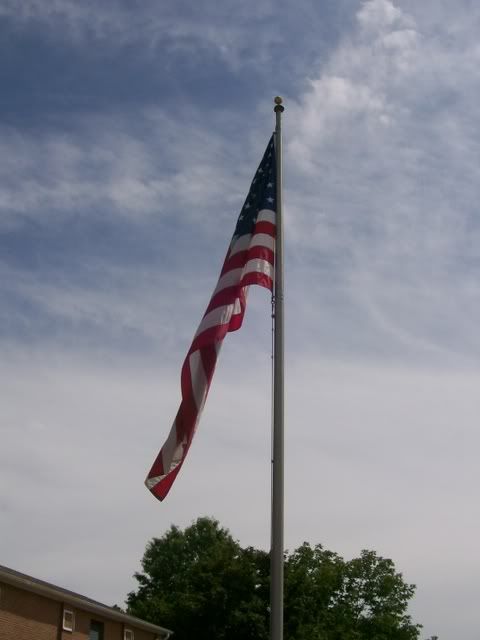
(143, 635)
(28, 616)
(112, 630)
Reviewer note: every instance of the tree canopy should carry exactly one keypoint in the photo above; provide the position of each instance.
(202, 584)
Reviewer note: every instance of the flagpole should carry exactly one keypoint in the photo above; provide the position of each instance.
(276, 552)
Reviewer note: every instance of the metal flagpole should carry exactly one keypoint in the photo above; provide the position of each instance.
(276, 551)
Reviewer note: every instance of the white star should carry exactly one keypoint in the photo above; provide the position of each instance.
(270, 200)
(260, 171)
(247, 205)
(269, 185)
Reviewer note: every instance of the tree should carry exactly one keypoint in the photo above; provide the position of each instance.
(328, 598)
(202, 584)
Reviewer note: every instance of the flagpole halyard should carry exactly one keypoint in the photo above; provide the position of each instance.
(277, 525)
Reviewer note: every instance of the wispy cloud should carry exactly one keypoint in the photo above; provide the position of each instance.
(389, 174)
(182, 28)
(105, 166)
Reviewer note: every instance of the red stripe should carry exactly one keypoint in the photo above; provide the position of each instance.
(161, 489)
(213, 334)
(157, 467)
(209, 361)
(258, 278)
(185, 376)
(263, 226)
(188, 413)
(238, 260)
(236, 322)
(186, 418)
(223, 297)
(235, 262)
(262, 253)
(219, 331)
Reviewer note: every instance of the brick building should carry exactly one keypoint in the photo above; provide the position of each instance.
(32, 609)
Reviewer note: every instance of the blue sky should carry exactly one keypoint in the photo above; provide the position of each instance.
(129, 133)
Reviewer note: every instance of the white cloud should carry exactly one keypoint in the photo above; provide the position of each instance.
(376, 15)
(105, 166)
(352, 96)
(169, 180)
(384, 162)
(158, 165)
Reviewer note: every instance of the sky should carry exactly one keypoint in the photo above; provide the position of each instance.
(129, 134)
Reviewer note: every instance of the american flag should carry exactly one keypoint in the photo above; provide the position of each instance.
(249, 260)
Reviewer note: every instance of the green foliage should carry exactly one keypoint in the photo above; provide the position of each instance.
(328, 598)
(202, 584)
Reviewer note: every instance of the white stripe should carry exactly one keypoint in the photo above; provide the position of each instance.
(220, 315)
(151, 482)
(243, 242)
(259, 266)
(263, 240)
(238, 307)
(228, 280)
(240, 244)
(172, 452)
(199, 379)
(266, 215)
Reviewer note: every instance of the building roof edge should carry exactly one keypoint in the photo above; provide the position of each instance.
(22, 580)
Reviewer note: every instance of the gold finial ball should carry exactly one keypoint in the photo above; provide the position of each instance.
(278, 100)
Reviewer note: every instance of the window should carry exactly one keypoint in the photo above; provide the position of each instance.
(128, 635)
(68, 620)
(96, 630)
